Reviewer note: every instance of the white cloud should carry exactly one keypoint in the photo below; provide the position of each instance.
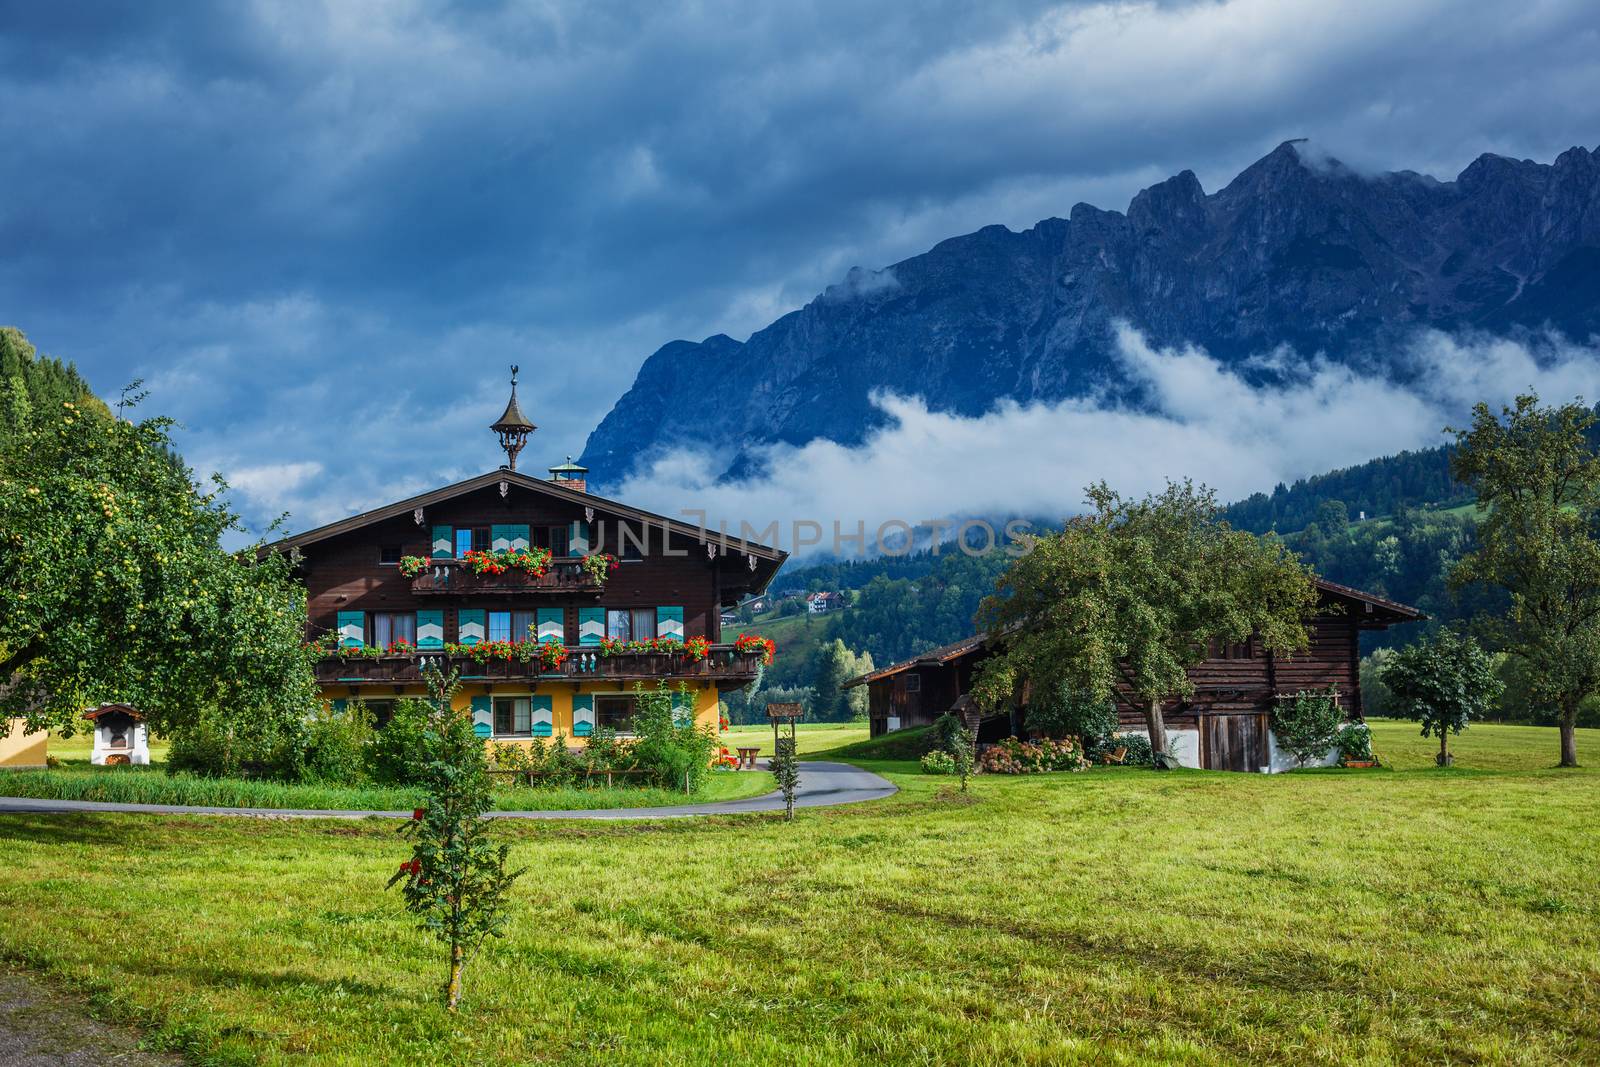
(1203, 420)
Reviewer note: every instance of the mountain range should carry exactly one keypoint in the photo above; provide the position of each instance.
(1298, 250)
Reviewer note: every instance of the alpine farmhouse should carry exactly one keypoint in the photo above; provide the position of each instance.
(552, 602)
(1223, 725)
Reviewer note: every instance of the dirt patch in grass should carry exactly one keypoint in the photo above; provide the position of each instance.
(44, 1027)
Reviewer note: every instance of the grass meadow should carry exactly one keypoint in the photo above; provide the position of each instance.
(1405, 915)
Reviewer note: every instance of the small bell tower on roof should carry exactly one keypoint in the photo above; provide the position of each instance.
(513, 427)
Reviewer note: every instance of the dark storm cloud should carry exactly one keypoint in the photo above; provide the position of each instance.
(322, 231)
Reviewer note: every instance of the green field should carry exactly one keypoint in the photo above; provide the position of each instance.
(1114, 916)
(810, 738)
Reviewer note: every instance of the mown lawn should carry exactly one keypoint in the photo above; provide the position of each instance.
(1118, 915)
(810, 738)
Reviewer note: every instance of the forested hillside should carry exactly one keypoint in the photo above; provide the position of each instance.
(31, 383)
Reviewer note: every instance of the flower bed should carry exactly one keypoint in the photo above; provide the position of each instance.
(1012, 756)
(756, 643)
(534, 562)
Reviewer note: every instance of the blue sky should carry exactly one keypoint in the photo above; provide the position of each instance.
(320, 232)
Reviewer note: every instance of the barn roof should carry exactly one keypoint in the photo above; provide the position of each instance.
(1377, 613)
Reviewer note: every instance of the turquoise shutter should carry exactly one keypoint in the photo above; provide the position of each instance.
(443, 542)
(352, 629)
(583, 715)
(578, 538)
(469, 626)
(543, 716)
(591, 625)
(482, 717)
(669, 623)
(339, 705)
(508, 537)
(430, 629)
(552, 626)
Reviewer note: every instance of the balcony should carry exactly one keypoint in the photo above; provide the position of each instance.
(565, 576)
(722, 664)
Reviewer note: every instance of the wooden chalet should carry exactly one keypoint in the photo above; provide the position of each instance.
(395, 584)
(1222, 725)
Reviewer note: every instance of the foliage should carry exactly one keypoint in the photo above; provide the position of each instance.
(32, 385)
(748, 706)
(950, 730)
(1065, 711)
(1443, 683)
(931, 603)
(411, 566)
(785, 770)
(1537, 472)
(938, 761)
(336, 741)
(395, 754)
(1375, 696)
(1307, 727)
(1139, 753)
(1132, 594)
(676, 753)
(599, 565)
(1013, 756)
(963, 755)
(1378, 487)
(533, 562)
(238, 743)
(836, 664)
(1355, 743)
(114, 585)
(456, 881)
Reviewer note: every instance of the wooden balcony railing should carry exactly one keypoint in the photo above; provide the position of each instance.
(584, 663)
(453, 576)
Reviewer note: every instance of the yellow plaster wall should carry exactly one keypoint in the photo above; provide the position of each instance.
(18, 749)
(560, 694)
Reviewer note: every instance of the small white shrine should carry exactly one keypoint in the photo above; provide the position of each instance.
(120, 736)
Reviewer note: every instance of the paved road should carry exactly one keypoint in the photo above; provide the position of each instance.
(821, 785)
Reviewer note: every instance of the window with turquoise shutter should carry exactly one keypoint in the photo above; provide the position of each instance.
(508, 537)
(591, 625)
(482, 717)
(578, 538)
(583, 715)
(469, 626)
(352, 629)
(443, 543)
(430, 629)
(552, 626)
(544, 720)
(669, 623)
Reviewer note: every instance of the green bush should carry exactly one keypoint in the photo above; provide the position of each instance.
(1013, 756)
(1307, 727)
(676, 755)
(1355, 743)
(1139, 753)
(1069, 712)
(336, 744)
(395, 754)
(938, 762)
(238, 744)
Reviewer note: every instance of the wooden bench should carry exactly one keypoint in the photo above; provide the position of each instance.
(1116, 755)
(747, 756)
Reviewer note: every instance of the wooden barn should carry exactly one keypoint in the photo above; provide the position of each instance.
(1223, 725)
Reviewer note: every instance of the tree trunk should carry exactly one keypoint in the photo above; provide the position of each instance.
(1569, 735)
(1444, 748)
(452, 989)
(1157, 726)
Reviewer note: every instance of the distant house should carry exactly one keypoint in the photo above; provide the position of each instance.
(1222, 725)
(822, 603)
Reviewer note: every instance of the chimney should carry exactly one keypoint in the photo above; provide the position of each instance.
(570, 475)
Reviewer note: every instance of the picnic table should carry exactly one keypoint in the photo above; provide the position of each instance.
(747, 756)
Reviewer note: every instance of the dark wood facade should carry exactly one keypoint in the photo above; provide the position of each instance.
(1234, 690)
(669, 575)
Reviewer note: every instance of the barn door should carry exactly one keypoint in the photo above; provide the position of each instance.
(1235, 742)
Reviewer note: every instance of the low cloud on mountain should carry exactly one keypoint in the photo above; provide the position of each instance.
(1237, 429)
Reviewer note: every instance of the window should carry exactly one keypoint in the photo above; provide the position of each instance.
(391, 626)
(510, 626)
(470, 539)
(631, 540)
(382, 711)
(389, 554)
(552, 537)
(913, 683)
(631, 624)
(1229, 650)
(614, 713)
(513, 717)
